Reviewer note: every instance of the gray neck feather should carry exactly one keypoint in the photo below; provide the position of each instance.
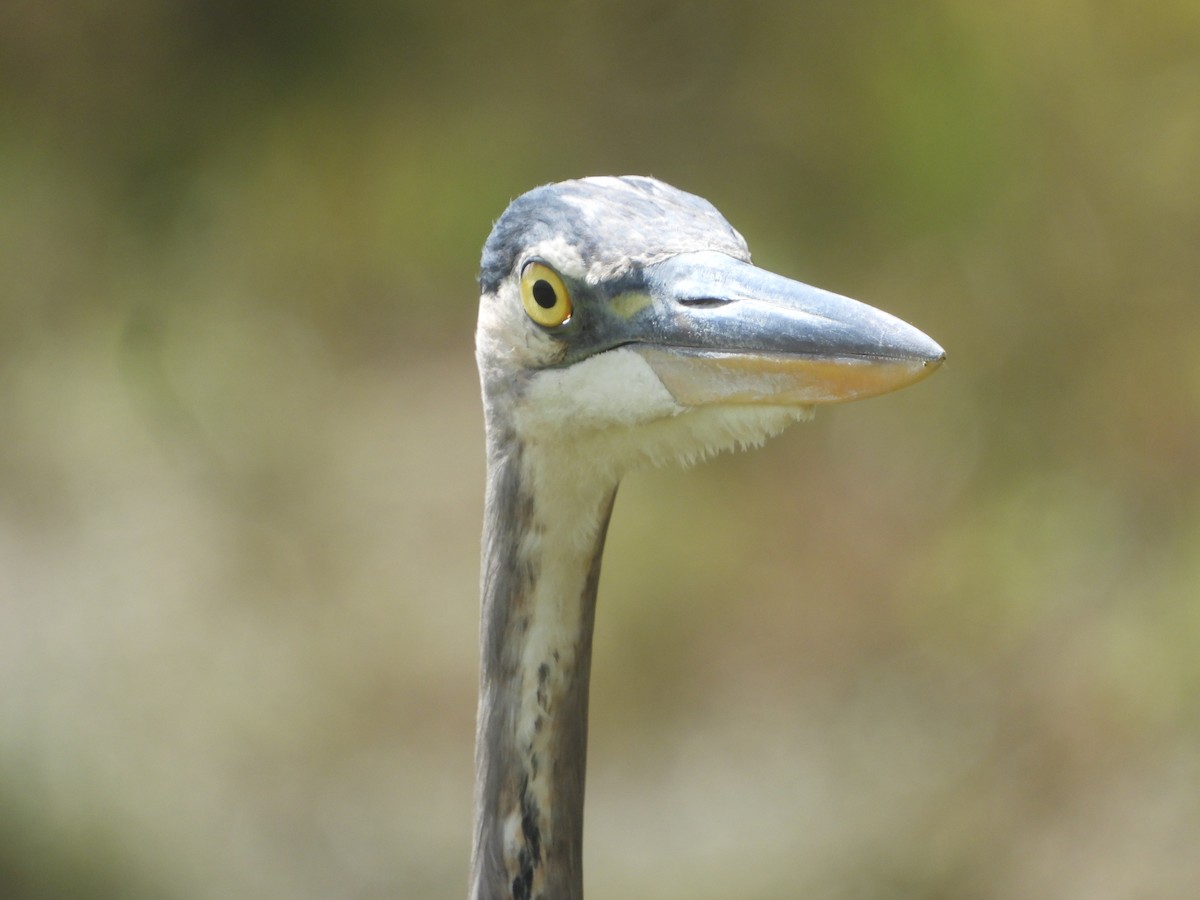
(536, 648)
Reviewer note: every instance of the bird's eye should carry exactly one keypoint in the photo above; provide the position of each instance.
(546, 298)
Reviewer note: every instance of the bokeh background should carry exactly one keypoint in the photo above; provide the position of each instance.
(944, 644)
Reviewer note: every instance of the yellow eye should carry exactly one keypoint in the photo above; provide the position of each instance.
(546, 298)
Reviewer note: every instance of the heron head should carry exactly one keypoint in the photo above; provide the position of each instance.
(626, 311)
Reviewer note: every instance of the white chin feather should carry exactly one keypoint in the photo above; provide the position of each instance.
(611, 413)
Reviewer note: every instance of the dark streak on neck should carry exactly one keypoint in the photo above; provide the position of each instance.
(542, 858)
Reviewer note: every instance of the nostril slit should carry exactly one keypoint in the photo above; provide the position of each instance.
(703, 302)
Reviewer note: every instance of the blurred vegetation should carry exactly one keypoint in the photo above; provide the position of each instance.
(945, 644)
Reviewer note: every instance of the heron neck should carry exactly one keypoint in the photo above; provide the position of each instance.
(543, 538)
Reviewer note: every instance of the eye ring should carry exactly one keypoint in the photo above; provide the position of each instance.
(544, 295)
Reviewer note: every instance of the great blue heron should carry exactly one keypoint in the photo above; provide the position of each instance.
(620, 324)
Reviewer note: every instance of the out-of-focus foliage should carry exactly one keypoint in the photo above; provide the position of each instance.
(944, 644)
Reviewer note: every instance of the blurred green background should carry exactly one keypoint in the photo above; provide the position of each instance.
(943, 644)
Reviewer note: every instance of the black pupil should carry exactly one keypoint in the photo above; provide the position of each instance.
(543, 293)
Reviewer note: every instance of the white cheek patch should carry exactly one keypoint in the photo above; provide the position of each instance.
(610, 414)
(505, 340)
(612, 389)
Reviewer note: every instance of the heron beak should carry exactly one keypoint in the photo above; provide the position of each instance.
(721, 331)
